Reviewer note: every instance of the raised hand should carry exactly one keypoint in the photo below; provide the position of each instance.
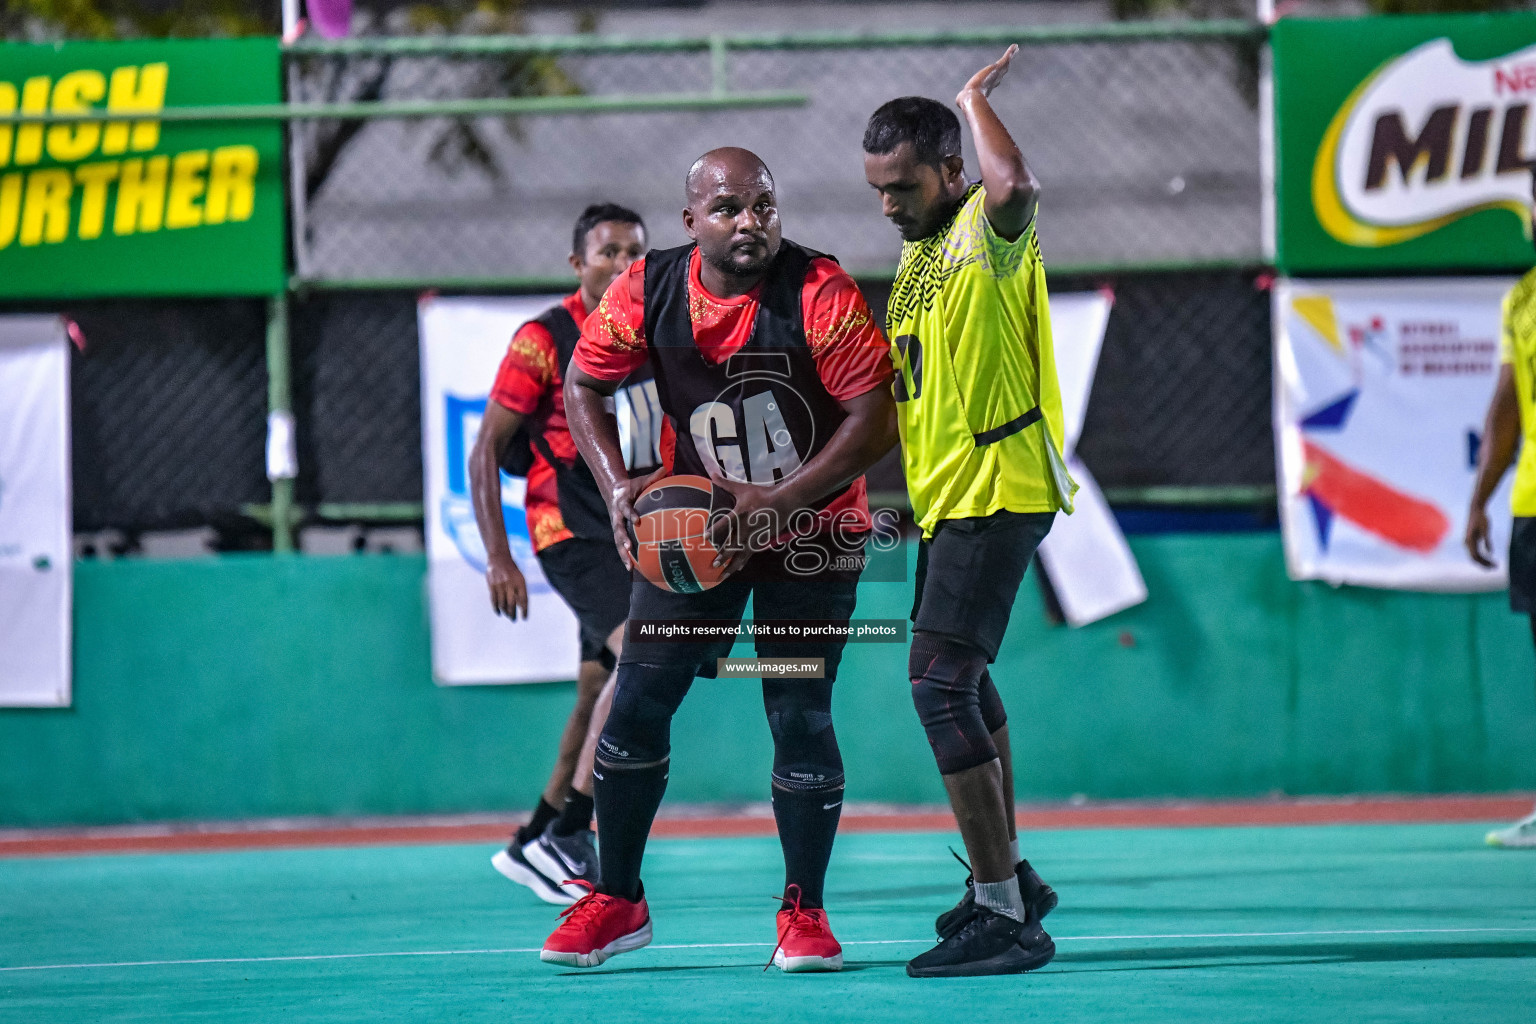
(985, 80)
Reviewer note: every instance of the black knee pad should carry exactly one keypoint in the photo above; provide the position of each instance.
(946, 683)
(992, 710)
(805, 754)
(638, 732)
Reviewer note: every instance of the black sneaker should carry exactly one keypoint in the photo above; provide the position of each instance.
(986, 943)
(566, 860)
(1038, 897)
(511, 863)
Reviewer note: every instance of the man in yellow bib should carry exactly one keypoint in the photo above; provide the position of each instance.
(981, 426)
(1511, 420)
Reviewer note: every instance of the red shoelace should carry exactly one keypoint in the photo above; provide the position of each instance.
(799, 920)
(582, 912)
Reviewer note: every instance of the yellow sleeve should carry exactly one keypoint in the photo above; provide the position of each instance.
(1004, 258)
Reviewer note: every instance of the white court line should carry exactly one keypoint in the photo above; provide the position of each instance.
(740, 945)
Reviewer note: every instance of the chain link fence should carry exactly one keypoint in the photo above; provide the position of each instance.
(1147, 147)
(168, 415)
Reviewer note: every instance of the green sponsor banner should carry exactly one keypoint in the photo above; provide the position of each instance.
(140, 207)
(1405, 143)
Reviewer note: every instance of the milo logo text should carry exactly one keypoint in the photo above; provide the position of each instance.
(1426, 139)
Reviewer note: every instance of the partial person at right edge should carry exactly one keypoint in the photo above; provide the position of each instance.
(524, 431)
(1511, 421)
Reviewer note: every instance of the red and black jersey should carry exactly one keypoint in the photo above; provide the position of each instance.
(841, 352)
(530, 381)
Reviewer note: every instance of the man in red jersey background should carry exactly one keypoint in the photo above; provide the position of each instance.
(525, 431)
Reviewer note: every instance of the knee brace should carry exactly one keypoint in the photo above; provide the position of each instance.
(805, 754)
(946, 683)
(638, 732)
(992, 711)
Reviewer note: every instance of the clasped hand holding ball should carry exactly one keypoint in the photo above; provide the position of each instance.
(687, 533)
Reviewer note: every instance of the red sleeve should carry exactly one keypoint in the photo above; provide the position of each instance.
(612, 344)
(851, 352)
(528, 371)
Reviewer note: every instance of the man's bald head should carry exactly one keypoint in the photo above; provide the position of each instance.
(719, 167)
(733, 215)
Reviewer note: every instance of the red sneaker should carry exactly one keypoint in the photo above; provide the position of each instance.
(595, 928)
(805, 938)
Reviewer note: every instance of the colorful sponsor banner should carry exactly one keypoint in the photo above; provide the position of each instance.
(142, 207)
(1381, 389)
(1405, 142)
(1092, 570)
(462, 343)
(35, 546)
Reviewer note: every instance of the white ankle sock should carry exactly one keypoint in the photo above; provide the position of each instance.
(1002, 897)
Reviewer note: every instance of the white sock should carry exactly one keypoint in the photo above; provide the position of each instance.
(1013, 851)
(1002, 897)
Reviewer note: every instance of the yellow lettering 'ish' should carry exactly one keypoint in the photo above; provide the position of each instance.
(140, 195)
(93, 180)
(10, 207)
(29, 137)
(7, 107)
(231, 185)
(45, 215)
(187, 186)
(135, 90)
(74, 94)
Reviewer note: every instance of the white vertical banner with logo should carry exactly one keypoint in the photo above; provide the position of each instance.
(463, 341)
(1381, 388)
(1092, 570)
(35, 517)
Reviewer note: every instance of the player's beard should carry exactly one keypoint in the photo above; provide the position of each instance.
(736, 262)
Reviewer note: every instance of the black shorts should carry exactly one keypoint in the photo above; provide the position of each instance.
(593, 581)
(1522, 565)
(777, 592)
(969, 574)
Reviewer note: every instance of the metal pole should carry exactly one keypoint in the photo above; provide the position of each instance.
(1268, 201)
(281, 460)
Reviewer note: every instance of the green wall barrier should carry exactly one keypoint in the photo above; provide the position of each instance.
(267, 686)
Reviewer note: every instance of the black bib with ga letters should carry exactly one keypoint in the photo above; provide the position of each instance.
(763, 412)
(639, 420)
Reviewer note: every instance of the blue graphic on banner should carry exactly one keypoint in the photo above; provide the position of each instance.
(462, 421)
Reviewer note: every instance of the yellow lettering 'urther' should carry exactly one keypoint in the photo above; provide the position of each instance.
(45, 216)
(10, 207)
(140, 195)
(231, 185)
(94, 179)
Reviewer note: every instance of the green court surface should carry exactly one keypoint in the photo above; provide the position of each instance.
(1296, 924)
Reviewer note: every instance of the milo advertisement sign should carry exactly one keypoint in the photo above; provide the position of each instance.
(1405, 143)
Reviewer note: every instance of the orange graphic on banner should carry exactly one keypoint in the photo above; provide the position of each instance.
(1372, 505)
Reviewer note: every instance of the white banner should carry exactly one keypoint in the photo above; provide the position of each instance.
(462, 344)
(36, 553)
(1381, 388)
(1090, 565)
